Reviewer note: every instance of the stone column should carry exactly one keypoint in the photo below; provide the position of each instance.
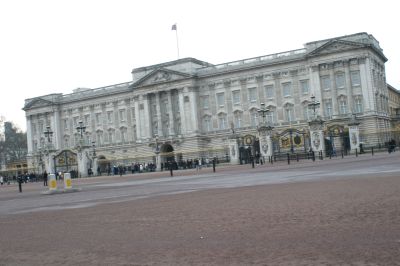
(171, 115)
(234, 149)
(159, 119)
(193, 104)
(182, 111)
(83, 161)
(354, 134)
(137, 118)
(348, 86)
(146, 117)
(317, 135)
(265, 142)
(29, 133)
(334, 92)
(57, 140)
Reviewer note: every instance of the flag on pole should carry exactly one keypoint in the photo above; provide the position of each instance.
(173, 27)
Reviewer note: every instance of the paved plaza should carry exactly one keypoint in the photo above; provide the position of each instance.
(329, 212)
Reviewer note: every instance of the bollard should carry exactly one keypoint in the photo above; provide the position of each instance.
(214, 165)
(67, 181)
(19, 180)
(321, 155)
(288, 158)
(356, 153)
(171, 171)
(297, 157)
(330, 155)
(372, 151)
(52, 182)
(313, 156)
(252, 162)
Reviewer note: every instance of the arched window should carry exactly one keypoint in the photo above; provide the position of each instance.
(207, 123)
(342, 105)
(238, 117)
(289, 112)
(358, 104)
(222, 121)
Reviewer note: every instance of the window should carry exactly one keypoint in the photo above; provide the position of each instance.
(122, 115)
(325, 83)
(305, 87)
(342, 106)
(358, 105)
(355, 78)
(287, 89)
(34, 129)
(99, 138)
(253, 95)
(271, 116)
(339, 78)
(205, 102)
(123, 135)
(307, 113)
(254, 118)
(66, 142)
(87, 120)
(221, 99)
(236, 97)
(98, 118)
(76, 121)
(269, 91)
(110, 116)
(207, 123)
(238, 120)
(289, 113)
(133, 114)
(110, 136)
(328, 108)
(222, 121)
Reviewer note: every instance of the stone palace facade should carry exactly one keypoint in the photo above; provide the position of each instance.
(193, 109)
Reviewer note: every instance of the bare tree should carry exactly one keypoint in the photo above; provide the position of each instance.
(14, 145)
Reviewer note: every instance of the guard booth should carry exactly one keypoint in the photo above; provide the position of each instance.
(66, 162)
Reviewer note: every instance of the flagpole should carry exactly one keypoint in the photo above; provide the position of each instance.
(175, 28)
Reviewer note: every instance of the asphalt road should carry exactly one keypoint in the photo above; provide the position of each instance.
(330, 212)
(94, 191)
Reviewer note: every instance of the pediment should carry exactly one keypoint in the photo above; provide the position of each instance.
(160, 75)
(37, 103)
(335, 46)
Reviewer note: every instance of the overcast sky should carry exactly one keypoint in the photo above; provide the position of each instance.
(57, 46)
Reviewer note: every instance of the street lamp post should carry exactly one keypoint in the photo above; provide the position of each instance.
(265, 130)
(81, 129)
(316, 128)
(48, 134)
(313, 105)
(157, 152)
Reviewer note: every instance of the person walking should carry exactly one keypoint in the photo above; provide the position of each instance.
(45, 178)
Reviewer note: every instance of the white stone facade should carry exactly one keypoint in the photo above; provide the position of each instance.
(189, 107)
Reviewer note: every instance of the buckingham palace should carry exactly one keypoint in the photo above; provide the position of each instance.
(331, 94)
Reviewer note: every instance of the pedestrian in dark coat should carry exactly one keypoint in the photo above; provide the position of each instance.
(45, 179)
